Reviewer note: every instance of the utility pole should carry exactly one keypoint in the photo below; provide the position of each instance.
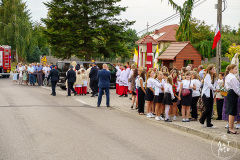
(219, 44)
(147, 27)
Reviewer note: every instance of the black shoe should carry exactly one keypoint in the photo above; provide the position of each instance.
(68, 96)
(92, 95)
(132, 107)
(126, 95)
(75, 94)
(98, 106)
(108, 106)
(121, 96)
(54, 95)
(96, 94)
(168, 120)
(201, 121)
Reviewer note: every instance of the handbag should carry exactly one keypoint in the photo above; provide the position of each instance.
(186, 92)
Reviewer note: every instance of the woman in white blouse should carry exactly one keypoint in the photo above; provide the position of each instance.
(20, 71)
(195, 94)
(210, 85)
(186, 100)
(232, 85)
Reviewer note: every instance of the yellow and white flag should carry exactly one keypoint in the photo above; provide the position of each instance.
(155, 58)
(135, 57)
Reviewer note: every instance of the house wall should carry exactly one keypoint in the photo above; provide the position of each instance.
(188, 53)
(162, 45)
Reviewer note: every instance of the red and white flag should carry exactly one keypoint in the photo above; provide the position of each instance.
(217, 37)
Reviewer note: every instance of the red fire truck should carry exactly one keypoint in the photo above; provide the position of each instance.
(5, 61)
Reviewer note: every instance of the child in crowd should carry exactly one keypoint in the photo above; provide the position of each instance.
(24, 77)
(168, 97)
(219, 97)
(159, 94)
(14, 74)
(150, 94)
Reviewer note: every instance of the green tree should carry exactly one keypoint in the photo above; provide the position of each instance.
(15, 25)
(84, 28)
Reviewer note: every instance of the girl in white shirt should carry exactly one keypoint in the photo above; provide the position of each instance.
(168, 97)
(233, 87)
(176, 82)
(195, 94)
(141, 93)
(186, 101)
(159, 94)
(150, 94)
(209, 86)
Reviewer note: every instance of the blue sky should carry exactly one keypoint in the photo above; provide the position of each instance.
(153, 11)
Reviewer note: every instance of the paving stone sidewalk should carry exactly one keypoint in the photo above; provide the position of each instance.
(123, 104)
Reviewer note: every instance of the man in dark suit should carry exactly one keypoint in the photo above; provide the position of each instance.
(54, 75)
(93, 79)
(71, 77)
(104, 77)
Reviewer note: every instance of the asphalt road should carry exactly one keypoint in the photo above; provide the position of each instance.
(37, 126)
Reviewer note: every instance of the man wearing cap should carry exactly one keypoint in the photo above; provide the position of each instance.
(54, 75)
(71, 77)
(93, 79)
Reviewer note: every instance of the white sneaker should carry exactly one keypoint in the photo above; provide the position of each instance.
(149, 115)
(227, 125)
(183, 120)
(157, 118)
(212, 127)
(238, 126)
(161, 118)
(174, 118)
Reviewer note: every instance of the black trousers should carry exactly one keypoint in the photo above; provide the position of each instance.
(94, 86)
(70, 87)
(219, 108)
(207, 114)
(194, 107)
(54, 87)
(141, 100)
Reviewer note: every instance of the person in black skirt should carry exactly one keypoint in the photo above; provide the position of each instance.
(187, 99)
(150, 94)
(168, 97)
(209, 86)
(159, 94)
(141, 93)
(232, 85)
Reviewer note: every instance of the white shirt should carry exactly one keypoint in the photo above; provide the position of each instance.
(117, 67)
(157, 86)
(128, 71)
(231, 82)
(186, 84)
(142, 81)
(46, 69)
(196, 93)
(118, 74)
(21, 69)
(168, 89)
(207, 85)
(150, 82)
(220, 83)
(123, 78)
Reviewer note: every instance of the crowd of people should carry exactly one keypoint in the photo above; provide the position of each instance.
(189, 92)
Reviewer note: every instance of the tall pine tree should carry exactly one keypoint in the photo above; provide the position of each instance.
(84, 27)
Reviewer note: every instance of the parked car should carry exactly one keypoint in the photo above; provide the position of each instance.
(63, 67)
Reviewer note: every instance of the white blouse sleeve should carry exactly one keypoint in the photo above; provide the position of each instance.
(216, 85)
(235, 86)
(156, 83)
(207, 81)
(171, 91)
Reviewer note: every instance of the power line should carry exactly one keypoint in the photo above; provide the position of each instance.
(174, 16)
